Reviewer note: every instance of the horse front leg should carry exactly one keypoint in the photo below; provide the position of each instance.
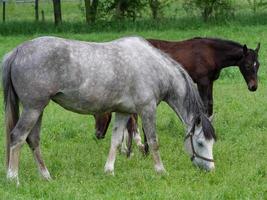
(136, 134)
(148, 116)
(117, 135)
(210, 101)
(205, 92)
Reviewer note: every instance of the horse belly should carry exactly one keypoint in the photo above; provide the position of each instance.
(93, 104)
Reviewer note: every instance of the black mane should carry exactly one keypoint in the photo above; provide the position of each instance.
(220, 41)
(208, 129)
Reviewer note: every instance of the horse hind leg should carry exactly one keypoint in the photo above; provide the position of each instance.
(26, 122)
(116, 140)
(138, 140)
(33, 141)
(136, 134)
(133, 133)
(124, 144)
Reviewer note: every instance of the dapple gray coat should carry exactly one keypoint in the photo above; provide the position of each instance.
(123, 76)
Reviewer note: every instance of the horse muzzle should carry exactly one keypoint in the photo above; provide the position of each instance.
(205, 165)
(99, 135)
(252, 86)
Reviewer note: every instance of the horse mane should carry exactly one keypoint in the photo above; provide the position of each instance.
(192, 100)
(219, 41)
(194, 103)
(208, 129)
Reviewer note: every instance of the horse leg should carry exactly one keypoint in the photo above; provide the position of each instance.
(210, 101)
(33, 141)
(116, 139)
(136, 134)
(146, 147)
(101, 124)
(124, 145)
(26, 122)
(133, 133)
(148, 116)
(205, 92)
(130, 138)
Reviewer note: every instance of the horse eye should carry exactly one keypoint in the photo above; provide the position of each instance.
(200, 144)
(248, 66)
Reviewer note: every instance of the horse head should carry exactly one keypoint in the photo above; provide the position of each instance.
(249, 66)
(199, 143)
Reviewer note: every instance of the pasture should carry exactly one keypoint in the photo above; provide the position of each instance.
(76, 158)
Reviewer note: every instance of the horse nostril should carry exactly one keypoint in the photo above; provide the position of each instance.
(253, 88)
(99, 135)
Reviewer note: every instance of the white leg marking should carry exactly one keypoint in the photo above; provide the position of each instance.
(13, 176)
(138, 141)
(116, 139)
(45, 174)
(159, 168)
(124, 147)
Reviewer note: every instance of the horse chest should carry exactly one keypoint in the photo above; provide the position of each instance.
(214, 75)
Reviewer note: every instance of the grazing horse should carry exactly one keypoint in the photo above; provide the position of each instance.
(203, 59)
(124, 76)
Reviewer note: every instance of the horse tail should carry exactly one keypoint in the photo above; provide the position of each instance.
(11, 101)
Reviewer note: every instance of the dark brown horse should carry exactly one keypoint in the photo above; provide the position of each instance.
(203, 59)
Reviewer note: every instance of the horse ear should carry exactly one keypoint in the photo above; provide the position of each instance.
(245, 49)
(258, 47)
(211, 118)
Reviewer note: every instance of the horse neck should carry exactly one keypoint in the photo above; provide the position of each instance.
(228, 55)
(177, 95)
(181, 112)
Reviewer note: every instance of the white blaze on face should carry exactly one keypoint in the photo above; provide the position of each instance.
(254, 64)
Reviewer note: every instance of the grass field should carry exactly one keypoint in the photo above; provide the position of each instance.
(76, 159)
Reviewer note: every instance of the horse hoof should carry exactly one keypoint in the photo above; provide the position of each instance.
(160, 169)
(129, 154)
(46, 175)
(99, 136)
(124, 151)
(143, 150)
(13, 178)
(109, 170)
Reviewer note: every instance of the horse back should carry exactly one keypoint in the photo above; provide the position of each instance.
(87, 77)
(196, 55)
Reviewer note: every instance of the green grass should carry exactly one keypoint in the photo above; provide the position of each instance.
(76, 159)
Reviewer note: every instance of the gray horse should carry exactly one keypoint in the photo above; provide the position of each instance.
(123, 76)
